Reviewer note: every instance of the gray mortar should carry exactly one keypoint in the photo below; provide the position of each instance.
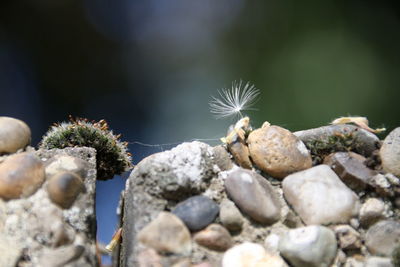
(157, 183)
(45, 235)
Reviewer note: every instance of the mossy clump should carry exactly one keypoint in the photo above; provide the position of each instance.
(111, 154)
(338, 142)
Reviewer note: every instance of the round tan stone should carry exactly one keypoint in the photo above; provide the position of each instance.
(166, 234)
(214, 237)
(14, 135)
(277, 151)
(390, 152)
(20, 176)
(63, 188)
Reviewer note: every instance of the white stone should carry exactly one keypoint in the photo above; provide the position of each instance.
(319, 196)
(251, 255)
(371, 211)
(310, 246)
(378, 262)
(243, 255)
(390, 152)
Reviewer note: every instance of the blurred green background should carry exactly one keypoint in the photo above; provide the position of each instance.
(150, 67)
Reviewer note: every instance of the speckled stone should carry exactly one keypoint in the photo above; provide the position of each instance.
(63, 188)
(254, 195)
(311, 246)
(230, 216)
(20, 176)
(371, 211)
(197, 212)
(214, 237)
(166, 234)
(390, 152)
(277, 151)
(382, 237)
(319, 196)
(351, 169)
(14, 135)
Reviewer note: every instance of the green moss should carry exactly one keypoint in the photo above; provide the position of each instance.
(111, 154)
(320, 148)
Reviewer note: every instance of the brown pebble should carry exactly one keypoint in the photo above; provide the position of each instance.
(63, 188)
(277, 151)
(20, 176)
(166, 234)
(14, 135)
(350, 168)
(214, 237)
(241, 154)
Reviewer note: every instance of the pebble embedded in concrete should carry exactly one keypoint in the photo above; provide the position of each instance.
(277, 151)
(382, 237)
(254, 195)
(14, 135)
(390, 152)
(241, 154)
(362, 141)
(214, 237)
(319, 196)
(65, 163)
(221, 158)
(196, 212)
(245, 254)
(63, 188)
(371, 211)
(230, 216)
(350, 168)
(166, 234)
(20, 175)
(310, 246)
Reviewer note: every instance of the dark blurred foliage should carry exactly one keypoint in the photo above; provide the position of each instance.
(149, 67)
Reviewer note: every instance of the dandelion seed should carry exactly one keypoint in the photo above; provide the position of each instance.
(234, 100)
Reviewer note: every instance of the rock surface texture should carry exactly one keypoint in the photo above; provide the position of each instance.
(390, 152)
(14, 135)
(311, 246)
(319, 196)
(277, 151)
(280, 206)
(34, 231)
(158, 180)
(254, 195)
